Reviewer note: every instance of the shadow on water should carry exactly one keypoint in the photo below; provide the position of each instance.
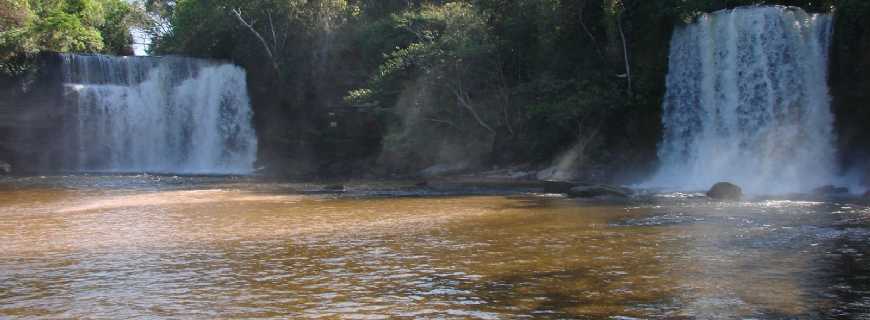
(847, 272)
(575, 292)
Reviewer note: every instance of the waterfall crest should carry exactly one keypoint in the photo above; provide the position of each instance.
(747, 101)
(165, 115)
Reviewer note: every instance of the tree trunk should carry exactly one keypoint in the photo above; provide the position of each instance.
(465, 102)
(624, 52)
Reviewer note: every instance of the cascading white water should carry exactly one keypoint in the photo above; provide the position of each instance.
(165, 115)
(747, 101)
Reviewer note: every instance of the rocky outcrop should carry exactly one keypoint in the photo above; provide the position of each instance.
(725, 191)
(599, 190)
(335, 188)
(585, 190)
(830, 190)
(444, 169)
(36, 131)
(551, 186)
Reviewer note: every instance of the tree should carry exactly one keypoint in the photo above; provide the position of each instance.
(96, 26)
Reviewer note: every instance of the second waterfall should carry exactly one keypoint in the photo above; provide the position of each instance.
(747, 101)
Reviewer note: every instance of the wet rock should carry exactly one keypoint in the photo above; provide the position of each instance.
(335, 187)
(599, 190)
(5, 168)
(551, 186)
(444, 169)
(725, 191)
(830, 190)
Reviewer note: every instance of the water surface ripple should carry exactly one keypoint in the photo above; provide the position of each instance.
(224, 248)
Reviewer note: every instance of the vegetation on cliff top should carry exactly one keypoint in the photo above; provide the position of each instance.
(94, 26)
(464, 83)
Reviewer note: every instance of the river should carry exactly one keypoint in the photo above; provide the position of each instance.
(110, 247)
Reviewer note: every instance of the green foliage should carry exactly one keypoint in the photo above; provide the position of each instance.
(64, 26)
(450, 42)
(15, 17)
(60, 31)
(14, 14)
(530, 75)
(118, 18)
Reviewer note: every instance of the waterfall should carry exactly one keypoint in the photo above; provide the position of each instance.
(747, 101)
(165, 115)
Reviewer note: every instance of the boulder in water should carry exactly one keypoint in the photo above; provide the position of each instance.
(599, 190)
(725, 191)
(5, 168)
(830, 190)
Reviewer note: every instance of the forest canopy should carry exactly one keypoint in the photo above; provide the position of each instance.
(91, 26)
(494, 81)
(451, 81)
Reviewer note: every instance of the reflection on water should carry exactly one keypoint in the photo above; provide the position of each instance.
(125, 247)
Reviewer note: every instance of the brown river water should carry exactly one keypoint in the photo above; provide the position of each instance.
(121, 247)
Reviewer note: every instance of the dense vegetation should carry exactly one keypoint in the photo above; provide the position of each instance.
(31, 26)
(461, 83)
(467, 84)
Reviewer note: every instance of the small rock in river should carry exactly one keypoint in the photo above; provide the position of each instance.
(725, 191)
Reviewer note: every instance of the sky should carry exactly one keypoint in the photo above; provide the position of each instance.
(140, 42)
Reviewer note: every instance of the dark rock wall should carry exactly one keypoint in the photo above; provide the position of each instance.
(35, 128)
(850, 88)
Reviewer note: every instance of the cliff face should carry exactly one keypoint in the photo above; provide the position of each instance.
(850, 87)
(33, 120)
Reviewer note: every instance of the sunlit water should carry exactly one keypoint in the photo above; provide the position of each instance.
(205, 248)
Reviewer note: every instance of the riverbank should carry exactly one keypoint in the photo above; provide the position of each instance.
(499, 183)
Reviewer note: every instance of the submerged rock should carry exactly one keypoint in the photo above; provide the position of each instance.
(830, 190)
(725, 191)
(599, 190)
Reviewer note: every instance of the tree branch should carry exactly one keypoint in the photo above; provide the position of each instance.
(624, 50)
(504, 95)
(589, 33)
(272, 28)
(445, 122)
(464, 101)
(250, 26)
